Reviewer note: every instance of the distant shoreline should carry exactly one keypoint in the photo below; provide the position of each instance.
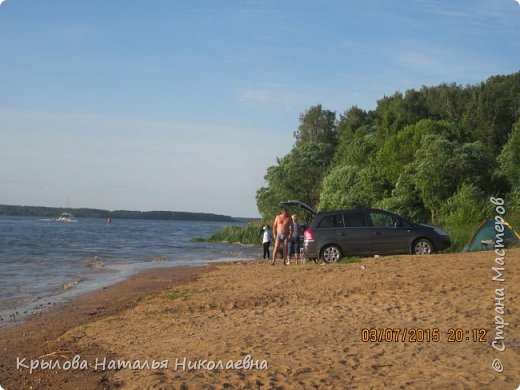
(54, 212)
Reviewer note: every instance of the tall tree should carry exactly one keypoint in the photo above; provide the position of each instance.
(351, 121)
(298, 175)
(509, 159)
(436, 172)
(318, 126)
(493, 109)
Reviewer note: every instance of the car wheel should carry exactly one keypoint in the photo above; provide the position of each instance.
(331, 253)
(422, 246)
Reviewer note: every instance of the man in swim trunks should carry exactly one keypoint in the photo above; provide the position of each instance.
(282, 231)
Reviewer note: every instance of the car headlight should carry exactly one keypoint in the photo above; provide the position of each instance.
(440, 232)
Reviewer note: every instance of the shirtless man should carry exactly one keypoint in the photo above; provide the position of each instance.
(282, 232)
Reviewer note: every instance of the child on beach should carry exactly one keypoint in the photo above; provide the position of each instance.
(266, 241)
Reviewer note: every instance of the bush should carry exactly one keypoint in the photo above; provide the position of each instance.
(513, 209)
(462, 213)
(248, 234)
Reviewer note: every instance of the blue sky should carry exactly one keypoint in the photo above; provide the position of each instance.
(182, 105)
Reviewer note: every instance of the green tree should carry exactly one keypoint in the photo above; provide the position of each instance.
(475, 165)
(298, 175)
(351, 121)
(492, 110)
(354, 180)
(317, 126)
(509, 158)
(436, 171)
(464, 210)
(340, 189)
(399, 150)
(349, 186)
(446, 101)
(513, 207)
(397, 111)
(405, 198)
(359, 149)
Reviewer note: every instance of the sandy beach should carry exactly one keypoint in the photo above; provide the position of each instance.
(254, 326)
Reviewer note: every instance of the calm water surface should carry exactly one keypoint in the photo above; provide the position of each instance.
(43, 262)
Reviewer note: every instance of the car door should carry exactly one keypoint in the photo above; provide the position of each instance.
(390, 233)
(327, 232)
(353, 235)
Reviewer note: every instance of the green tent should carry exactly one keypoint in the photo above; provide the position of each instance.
(484, 237)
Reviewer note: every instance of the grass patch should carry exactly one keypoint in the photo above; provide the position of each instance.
(177, 294)
(349, 260)
(250, 233)
(184, 294)
(112, 319)
(148, 297)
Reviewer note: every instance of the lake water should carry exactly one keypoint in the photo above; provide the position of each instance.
(43, 262)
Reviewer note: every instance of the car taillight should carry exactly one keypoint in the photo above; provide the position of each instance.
(308, 235)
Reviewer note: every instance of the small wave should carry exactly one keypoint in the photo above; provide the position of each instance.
(233, 254)
(157, 259)
(96, 263)
(247, 245)
(67, 286)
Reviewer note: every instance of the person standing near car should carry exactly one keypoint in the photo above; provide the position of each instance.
(282, 231)
(266, 241)
(294, 246)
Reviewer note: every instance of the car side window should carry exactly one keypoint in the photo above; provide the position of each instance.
(327, 222)
(382, 220)
(355, 219)
(331, 221)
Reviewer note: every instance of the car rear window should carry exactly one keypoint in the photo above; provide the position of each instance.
(355, 219)
(331, 221)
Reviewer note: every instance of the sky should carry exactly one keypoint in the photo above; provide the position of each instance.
(182, 105)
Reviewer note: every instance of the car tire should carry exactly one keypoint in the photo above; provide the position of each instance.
(331, 253)
(422, 246)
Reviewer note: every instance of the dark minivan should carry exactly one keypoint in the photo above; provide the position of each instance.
(362, 232)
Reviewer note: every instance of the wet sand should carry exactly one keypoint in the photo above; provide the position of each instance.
(302, 327)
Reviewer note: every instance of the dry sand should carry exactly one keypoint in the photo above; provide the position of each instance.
(305, 322)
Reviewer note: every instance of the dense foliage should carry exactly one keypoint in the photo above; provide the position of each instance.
(435, 155)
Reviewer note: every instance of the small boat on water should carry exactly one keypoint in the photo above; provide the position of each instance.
(66, 217)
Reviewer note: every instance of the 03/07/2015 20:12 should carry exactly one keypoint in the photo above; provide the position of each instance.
(419, 335)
